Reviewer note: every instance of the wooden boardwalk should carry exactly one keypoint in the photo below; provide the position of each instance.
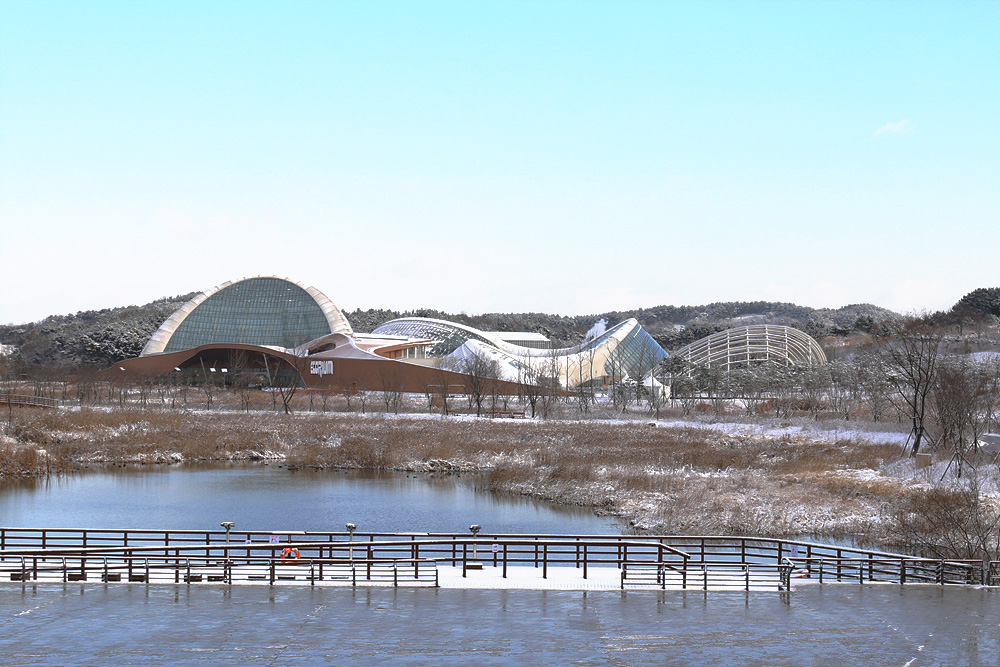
(575, 562)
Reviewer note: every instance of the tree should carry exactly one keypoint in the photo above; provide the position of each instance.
(949, 522)
(873, 384)
(845, 387)
(911, 359)
(985, 300)
(391, 383)
(481, 372)
(750, 383)
(241, 375)
(287, 377)
(961, 405)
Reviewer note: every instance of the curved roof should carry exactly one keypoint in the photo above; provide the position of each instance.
(624, 349)
(743, 346)
(261, 310)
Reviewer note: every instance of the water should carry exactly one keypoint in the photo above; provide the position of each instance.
(258, 497)
(845, 624)
(126, 624)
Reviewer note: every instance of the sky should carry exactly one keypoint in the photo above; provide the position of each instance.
(562, 157)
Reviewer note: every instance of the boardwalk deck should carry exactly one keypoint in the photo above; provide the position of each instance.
(576, 562)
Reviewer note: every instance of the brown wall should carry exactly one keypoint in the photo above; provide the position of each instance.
(365, 374)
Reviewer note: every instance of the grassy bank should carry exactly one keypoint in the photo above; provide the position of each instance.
(687, 479)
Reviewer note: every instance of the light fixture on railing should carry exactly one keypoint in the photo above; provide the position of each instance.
(475, 528)
(350, 529)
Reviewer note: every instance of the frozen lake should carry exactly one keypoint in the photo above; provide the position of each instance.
(873, 626)
(125, 624)
(270, 497)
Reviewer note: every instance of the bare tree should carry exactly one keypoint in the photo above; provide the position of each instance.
(949, 522)
(287, 377)
(911, 361)
(960, 405)
(481, 372)
(241, 376)
(391, 382)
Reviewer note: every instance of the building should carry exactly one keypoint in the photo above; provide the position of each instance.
(746, 346)
(605, 356)
(274, 331)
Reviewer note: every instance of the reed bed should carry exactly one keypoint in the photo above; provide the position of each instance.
(676, 480)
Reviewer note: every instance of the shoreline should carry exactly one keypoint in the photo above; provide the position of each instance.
(769, 479)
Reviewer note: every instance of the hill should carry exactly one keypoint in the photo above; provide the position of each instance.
(99, 338)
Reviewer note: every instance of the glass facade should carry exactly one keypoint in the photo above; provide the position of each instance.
(256, 311)
(447, 336)
(635, 356)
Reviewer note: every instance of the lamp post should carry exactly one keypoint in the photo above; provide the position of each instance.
(475, 528)
(228, 525)
(350, 529)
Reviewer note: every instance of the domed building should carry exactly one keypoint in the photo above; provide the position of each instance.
(279, 332)
(263, 310)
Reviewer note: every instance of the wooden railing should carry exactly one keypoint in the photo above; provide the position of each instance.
(29, 401)
(644, 560)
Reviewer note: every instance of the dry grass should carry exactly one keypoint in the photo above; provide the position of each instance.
(679, 480)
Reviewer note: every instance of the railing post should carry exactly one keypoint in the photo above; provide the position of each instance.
(545, 561)
(746, 572)
(902, 570)
(395, 574)
(584, 561)
(504, 562)
(368, 573)
(272, 568)
(464, 550)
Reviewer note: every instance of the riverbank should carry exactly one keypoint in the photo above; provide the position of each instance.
(666, 477)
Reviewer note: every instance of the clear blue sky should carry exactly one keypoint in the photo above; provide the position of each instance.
(515, 156)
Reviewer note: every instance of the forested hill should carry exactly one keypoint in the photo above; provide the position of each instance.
(102, 337)
(672, 326)
(95, 338)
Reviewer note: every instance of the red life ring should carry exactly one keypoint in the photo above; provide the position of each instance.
(290, 553)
